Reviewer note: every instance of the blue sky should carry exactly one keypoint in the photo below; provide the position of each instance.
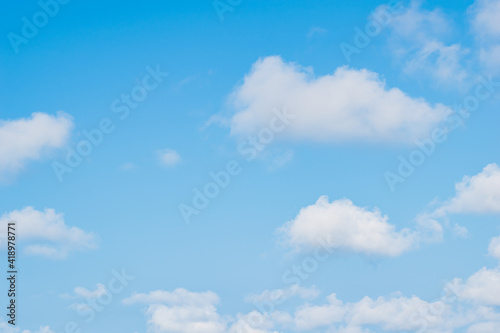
(354, 146)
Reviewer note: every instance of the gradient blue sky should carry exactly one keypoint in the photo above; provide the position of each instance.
(92, 52)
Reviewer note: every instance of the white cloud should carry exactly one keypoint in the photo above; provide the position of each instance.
(283, 294)
(181, 311)
(476, 194)
(47, 226)
(312, 316)
(440, 61)
(494, 248)
(464, 306)
(394, 314)
(254, 322)
(460, 231)
(389, 314)
(417, 40)
(26, 139)
(342, 225)
(185, 319)
(483, 287)
(397, 313)
(349, 105)
(87, 294)
(169, 157)
(484, 16)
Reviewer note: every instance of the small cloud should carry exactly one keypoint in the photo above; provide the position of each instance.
(82, 293)
(128, 166)
(280, 160)
(169, 157)
(283, 294)
(316, 31)
(187, 80)
(85, 293)
(494, 248)
(460, 231)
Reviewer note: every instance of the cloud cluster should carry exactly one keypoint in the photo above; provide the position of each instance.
(46, 233)
(348, 105)
(181, 311)
(28, 139)
(470, 306)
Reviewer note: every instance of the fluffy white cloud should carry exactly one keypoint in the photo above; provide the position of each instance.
(483, 287)
(494, 248)
(181, 311)
(465, 306)
(393, 314)
(476, 194)
(390, 314)
(169, 157)
(283, 294)
(349, 105)
(26, 139)
(342, 225)
(47, 226)
(185, 319)
(254, 322)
